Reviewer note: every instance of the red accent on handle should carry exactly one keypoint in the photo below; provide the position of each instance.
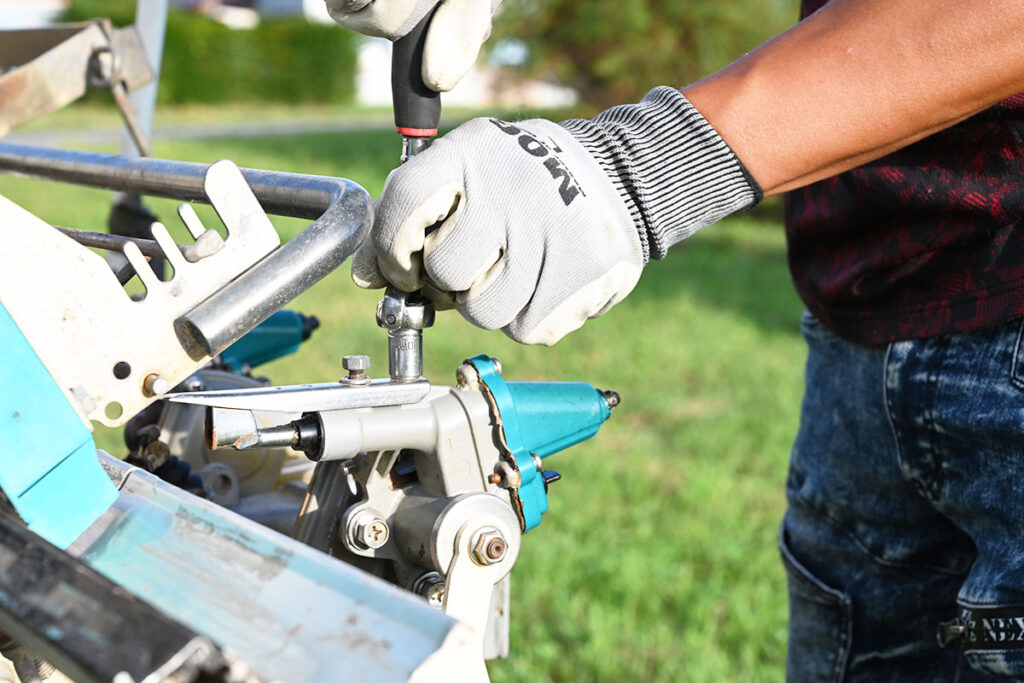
(417, 132)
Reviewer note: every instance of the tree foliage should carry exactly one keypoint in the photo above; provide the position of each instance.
(613, 51)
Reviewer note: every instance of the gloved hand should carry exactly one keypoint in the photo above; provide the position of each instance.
(545, 225)
(456, 32)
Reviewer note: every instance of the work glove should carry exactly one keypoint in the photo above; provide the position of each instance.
(456, 32)
(534, 227)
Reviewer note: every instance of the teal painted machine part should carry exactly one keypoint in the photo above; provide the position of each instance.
(291, 612)
(49, 469)
(541, 418)
(279, 335)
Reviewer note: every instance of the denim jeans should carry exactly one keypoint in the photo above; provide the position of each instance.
(906, 509)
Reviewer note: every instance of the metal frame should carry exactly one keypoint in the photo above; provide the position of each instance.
(340, 207)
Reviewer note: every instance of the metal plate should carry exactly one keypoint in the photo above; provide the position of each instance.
(82, 323)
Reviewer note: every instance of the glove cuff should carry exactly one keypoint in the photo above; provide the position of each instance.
(672, 169)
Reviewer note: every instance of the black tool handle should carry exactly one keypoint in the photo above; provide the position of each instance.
(417, 107)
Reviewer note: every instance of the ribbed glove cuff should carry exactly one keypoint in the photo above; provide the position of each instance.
(674, 172)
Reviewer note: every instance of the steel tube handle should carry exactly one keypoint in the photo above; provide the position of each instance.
(342, 210)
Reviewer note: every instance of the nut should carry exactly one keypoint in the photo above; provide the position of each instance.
(489, 546)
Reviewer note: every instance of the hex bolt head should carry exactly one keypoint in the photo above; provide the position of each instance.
(489, 546)
(154, 385)
(368, 531)
(357, 363)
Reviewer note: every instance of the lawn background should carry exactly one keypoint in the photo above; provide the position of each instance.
(657, 559)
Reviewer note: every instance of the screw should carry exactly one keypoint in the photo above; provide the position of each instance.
(376, 534)
(489, 546)
(357, 367)
(497, 364)
(368, 531)
(494, 478)
(154, 385)
(431, 586)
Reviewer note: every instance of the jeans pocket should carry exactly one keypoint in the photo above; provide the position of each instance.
(820, 624)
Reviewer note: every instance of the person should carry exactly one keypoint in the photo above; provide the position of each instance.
(897, 128)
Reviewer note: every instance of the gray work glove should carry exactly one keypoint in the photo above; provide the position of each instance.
(545, 225)
(456, 32)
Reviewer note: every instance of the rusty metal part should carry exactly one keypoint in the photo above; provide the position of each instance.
(488, 546)
(42, 70)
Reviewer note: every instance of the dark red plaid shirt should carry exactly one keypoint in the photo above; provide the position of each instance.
(923, 242)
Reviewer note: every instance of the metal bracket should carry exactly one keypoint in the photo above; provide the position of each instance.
(109, 353)
(43, 70)
(307, 398)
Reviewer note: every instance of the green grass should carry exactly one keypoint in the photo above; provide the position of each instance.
(657, 559)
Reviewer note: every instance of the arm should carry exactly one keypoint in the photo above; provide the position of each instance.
(859, 79)
(544, 225)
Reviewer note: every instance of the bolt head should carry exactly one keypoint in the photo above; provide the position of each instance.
(375, 534)
(368, 531)
(155, 385)
(357, 363)
(489, 546)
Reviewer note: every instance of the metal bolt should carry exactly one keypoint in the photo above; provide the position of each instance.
(432, 587)
(357, 367)
(368, 531)
(194, 383)
(467, 377)
(494, 478)
(497, 365)
(489, 546)
(495, 549)
(612, 398)
(154, 385)
(375, 534)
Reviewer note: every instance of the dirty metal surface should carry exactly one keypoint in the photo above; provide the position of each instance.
(82, 622)
(290, 612)
(42, 70)
(82, 324)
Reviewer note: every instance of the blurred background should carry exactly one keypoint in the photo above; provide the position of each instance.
(657, 560)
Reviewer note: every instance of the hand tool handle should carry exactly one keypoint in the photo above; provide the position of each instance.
(417, 107)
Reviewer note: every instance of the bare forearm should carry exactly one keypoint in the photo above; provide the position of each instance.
(859, 79)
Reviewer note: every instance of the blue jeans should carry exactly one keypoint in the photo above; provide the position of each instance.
(906, 510)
